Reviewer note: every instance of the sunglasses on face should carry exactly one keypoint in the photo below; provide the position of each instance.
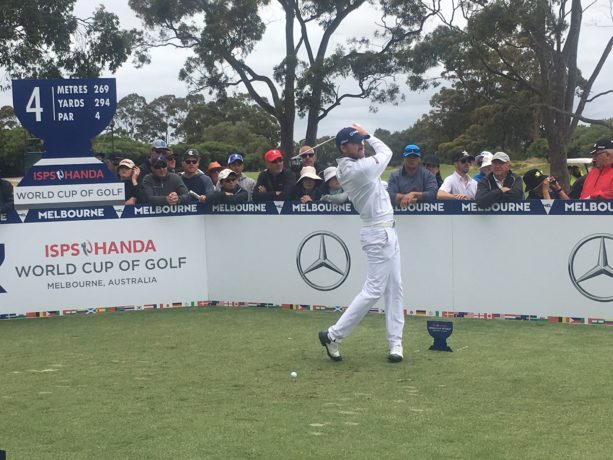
(278, 160)
(115, 162)
(171, 158)
(465, 161)
(307, 155)
(230, 179)
(190, 162)
(160, 166)
(160, 151)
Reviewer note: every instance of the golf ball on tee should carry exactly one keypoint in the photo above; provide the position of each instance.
(294, 375)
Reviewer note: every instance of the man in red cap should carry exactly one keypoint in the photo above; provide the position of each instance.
(598, 184)
(275, 182)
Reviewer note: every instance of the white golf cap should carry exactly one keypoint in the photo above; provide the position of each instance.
(225, 173)
(329, 173)
(486, 159)
(501, 156)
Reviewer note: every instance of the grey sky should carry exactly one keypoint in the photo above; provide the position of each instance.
(161, 76)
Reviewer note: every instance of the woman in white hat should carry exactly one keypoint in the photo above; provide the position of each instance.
(307, 187)
(331, 190)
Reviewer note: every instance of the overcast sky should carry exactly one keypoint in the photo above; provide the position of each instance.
(161, 76)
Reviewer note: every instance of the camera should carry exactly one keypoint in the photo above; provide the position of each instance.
(552, 180)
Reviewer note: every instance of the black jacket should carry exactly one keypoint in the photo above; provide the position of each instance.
(488, 192)
(6, 196)
(284, 182)
(238, 195)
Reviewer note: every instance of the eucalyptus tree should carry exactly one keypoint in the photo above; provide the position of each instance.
(529, 47)
(315, 71)
(44, 39)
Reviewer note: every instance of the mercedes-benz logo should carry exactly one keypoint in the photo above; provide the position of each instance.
(332, 258)
(589, 269)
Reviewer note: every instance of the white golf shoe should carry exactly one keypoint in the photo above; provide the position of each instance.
(332, 347)
(395, 355)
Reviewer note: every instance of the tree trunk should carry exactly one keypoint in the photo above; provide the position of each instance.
(288, 111)
(312, 125)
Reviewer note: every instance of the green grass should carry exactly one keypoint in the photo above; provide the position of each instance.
(215, 383)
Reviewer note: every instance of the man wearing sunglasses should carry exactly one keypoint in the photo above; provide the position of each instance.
(412, 182)
(275, 182)
(308, 157)
(159, 148)
(163, 187)
(598, 184)
(193, 178)
(459, 185)
(229, 190)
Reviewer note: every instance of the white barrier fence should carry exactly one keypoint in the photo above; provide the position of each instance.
(525, 260)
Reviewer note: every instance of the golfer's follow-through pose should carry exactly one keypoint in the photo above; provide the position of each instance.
(360, 178)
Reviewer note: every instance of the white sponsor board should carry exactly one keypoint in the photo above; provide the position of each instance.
(60, 195)
(102, 263)
(544, 265)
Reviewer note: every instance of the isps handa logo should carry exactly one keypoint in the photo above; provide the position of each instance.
(2, 290)
(67, 175)
(97, 248)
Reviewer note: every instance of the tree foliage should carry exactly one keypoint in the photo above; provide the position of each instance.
(43, 39)
(310, 78)
(218, 127)
(517, 53)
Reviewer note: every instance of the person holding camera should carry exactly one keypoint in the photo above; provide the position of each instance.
(539, 186)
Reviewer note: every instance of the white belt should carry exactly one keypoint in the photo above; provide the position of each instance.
(387, 223)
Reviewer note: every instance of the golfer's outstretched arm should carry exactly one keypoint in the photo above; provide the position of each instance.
(377, 163)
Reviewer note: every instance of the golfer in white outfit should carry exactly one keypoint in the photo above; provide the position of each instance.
(360, 178)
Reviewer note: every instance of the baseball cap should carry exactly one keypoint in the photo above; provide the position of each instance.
(126, 162)
(458, 156)
(602, 144)
(349, 136)
(213, 165)
(479, 158)
(191, 153)
(431, 160)
(235, 156)
(329, 173)
(411, 149)
(159, 144)
(272, 155)
(309, 171)
(487, 159)
(533, 179)
(501, 156)
(225, 173)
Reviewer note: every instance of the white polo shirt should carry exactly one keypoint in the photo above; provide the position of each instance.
(458, 185)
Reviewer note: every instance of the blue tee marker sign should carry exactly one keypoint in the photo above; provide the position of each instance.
(66, 114)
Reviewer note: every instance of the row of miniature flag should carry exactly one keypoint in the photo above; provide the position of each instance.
(302, 307)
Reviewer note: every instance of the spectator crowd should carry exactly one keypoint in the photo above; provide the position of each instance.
(160, 180)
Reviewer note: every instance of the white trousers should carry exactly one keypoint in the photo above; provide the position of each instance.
(383, 253)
